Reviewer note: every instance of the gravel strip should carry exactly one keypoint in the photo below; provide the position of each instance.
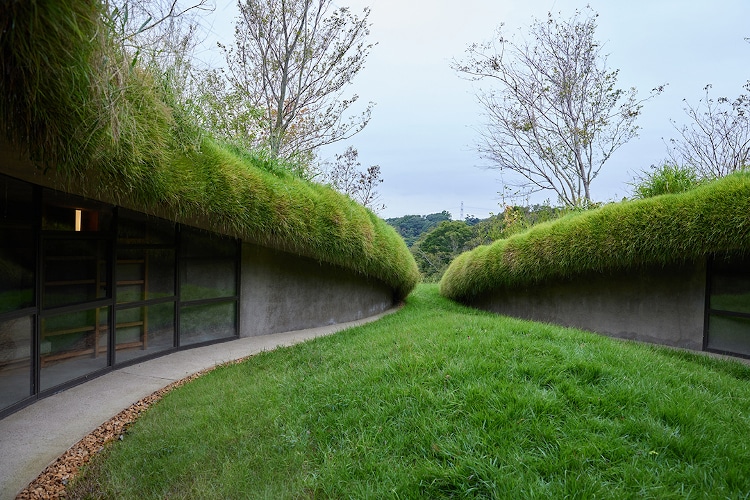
(52, 482)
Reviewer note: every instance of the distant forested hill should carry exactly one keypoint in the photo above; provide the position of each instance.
(435, 240)
(411, 227)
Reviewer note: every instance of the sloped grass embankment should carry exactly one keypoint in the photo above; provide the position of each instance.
(87, 113)
(439, 400)
(661, 231)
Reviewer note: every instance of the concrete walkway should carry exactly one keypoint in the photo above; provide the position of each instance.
(34, 437)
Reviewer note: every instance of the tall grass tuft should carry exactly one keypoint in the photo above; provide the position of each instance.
(47, 51)
(659, 231)
(107, 128)
(667, 178)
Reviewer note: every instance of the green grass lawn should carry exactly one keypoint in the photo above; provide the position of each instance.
(442, 401)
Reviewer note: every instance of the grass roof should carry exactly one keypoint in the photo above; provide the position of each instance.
(103, 127)
(660, 231)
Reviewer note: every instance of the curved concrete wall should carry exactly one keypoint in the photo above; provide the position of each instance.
(283, 292)
(211, 294)
(662, 306)
(280, 291)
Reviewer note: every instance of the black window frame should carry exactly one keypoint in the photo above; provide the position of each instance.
(182, 258)
(121, 306)
(36, 312)
(711, 273)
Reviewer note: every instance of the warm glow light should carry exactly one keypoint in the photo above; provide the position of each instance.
(78, 220)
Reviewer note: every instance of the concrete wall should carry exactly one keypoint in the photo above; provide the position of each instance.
(283, 292)
(662, 306)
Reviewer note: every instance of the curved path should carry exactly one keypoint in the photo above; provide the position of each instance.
(34, 437)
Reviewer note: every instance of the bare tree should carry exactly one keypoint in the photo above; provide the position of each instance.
(159, 33)
(556, 116)
(346, 176)
(717, 140)
(160, 36)
(292, 60)
(153, 24)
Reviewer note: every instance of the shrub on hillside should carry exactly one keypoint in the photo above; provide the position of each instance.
(665, 179)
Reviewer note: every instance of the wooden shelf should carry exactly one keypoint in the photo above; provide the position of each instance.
(131, 282)
(141, 282)
(130, 324)
(97, 329)
(129, 345)
(67, 331)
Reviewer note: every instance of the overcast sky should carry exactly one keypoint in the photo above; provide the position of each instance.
(425, 121)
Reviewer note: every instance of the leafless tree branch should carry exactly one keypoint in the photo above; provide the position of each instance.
(716, 142)
(292, 60)
(554, 115)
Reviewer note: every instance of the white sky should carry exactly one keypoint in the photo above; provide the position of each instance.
(424, 124)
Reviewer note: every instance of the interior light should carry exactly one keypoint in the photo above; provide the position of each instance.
(78, 219)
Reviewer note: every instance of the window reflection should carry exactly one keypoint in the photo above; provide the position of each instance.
(729, 334)
(207, 279)
(72, 345)
(93, 295)
(731, 293)
(145, 330)
(15, 360)
(145, 274)
(196, 243)
(205, 322)
(75, 271)
(17, 248)
(138, 229)
(729, 305)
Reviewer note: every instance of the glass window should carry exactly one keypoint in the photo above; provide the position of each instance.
(17, 248)
(144, 274)
(145, 330)
(207, 279)
(72, 345)
(16, 201)
(145, 271)
(138, 229)
(75, 271)
(731, 293)
(729, 334)
(196, 243)
(729, 331)
(730, 264)
(17, 265)
(209, 266)
(15, 360)
(205, 322)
